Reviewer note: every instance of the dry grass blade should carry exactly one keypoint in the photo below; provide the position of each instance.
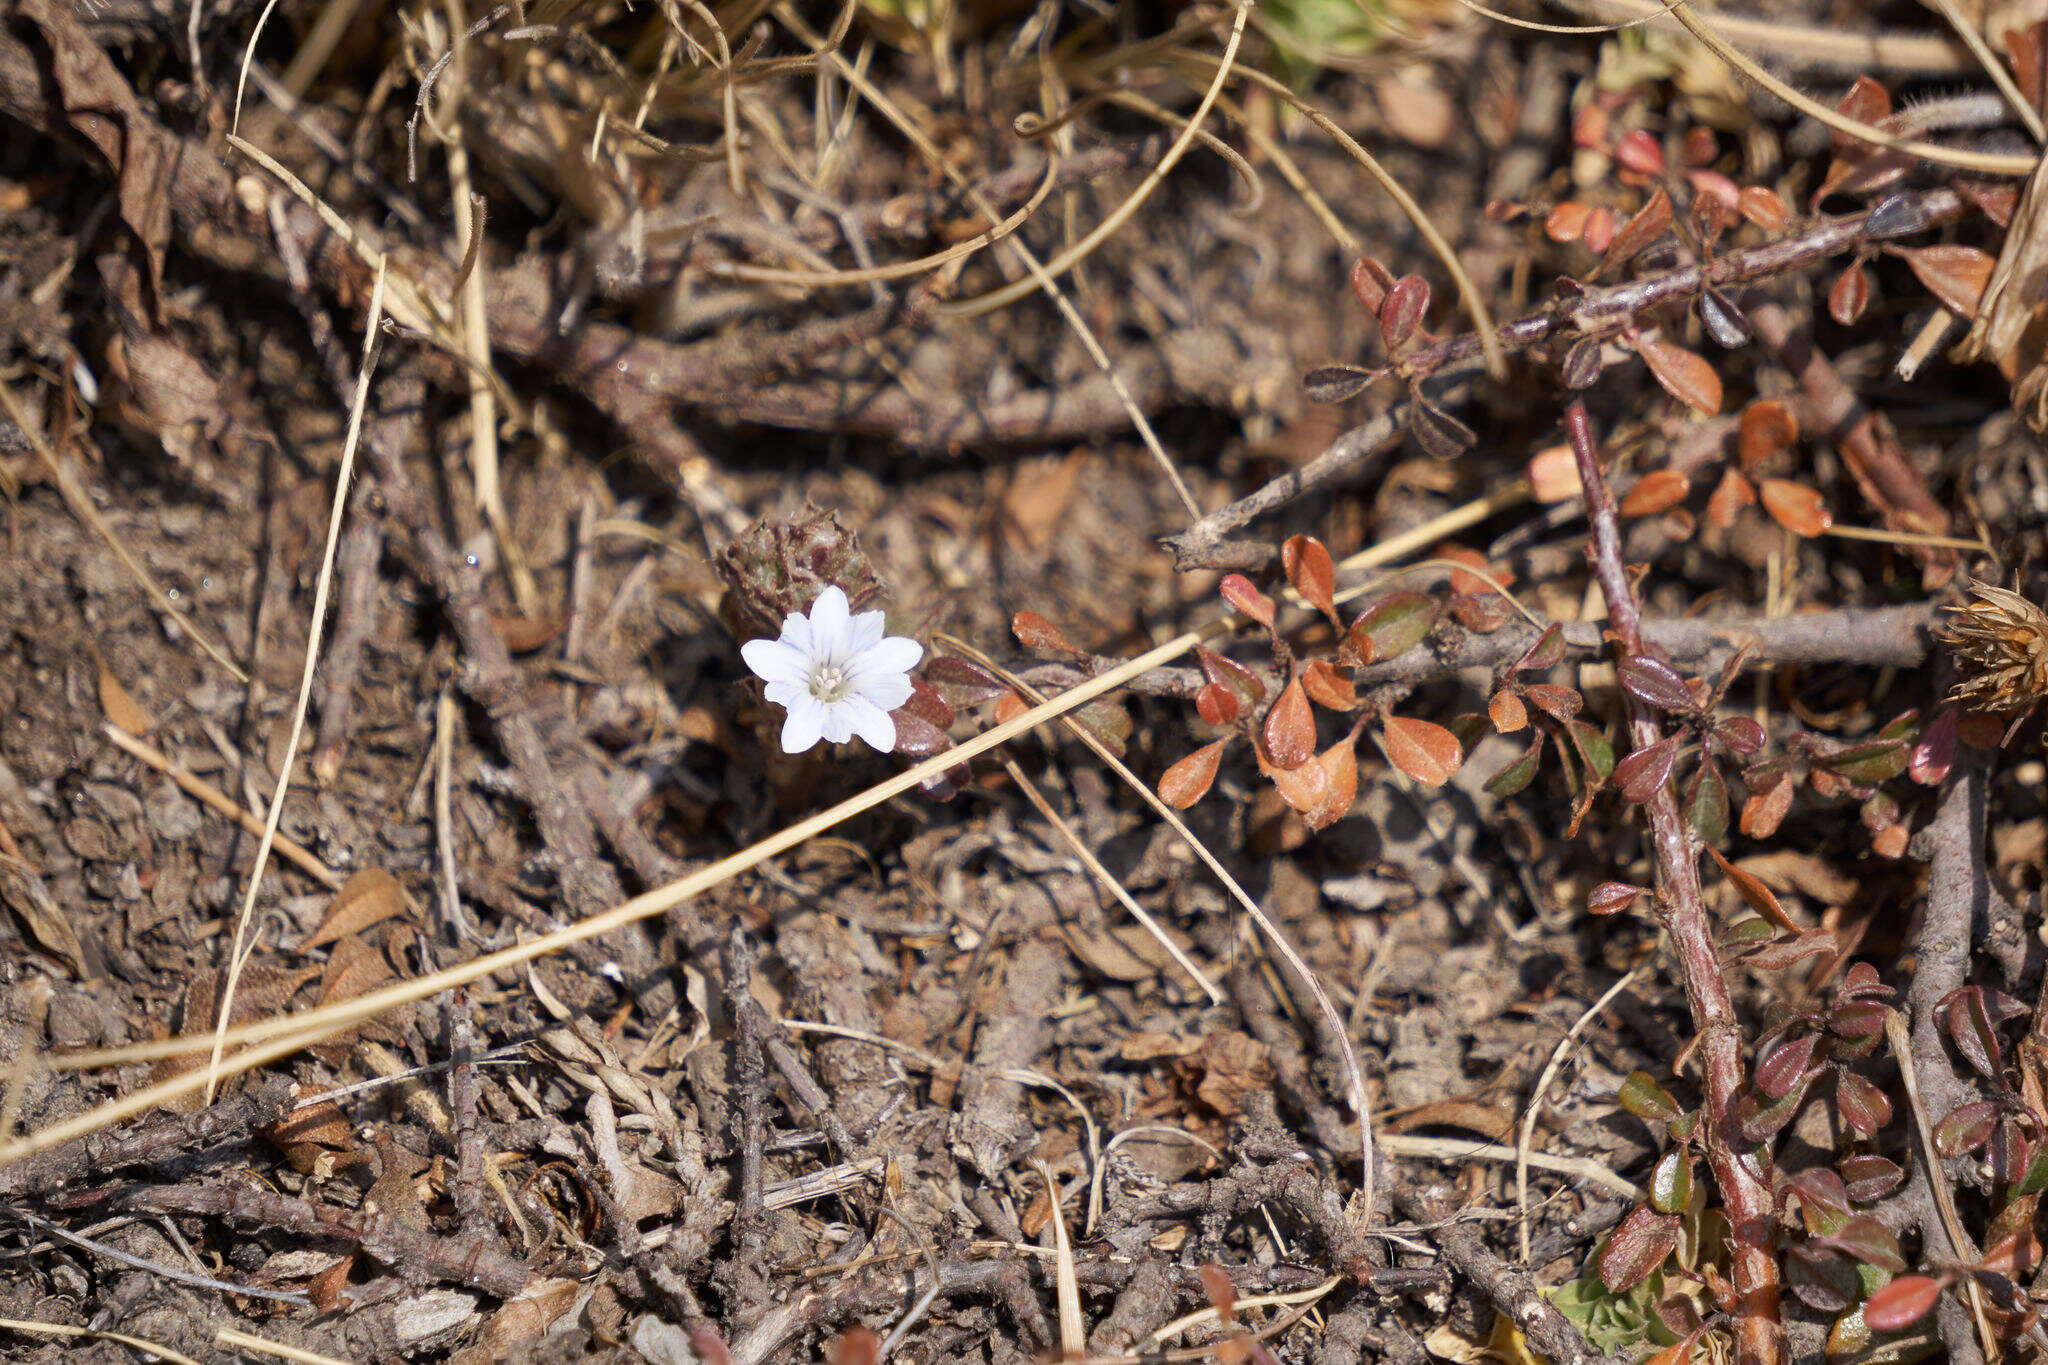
(247, 1341)
(58, 1329)
(1108, 878)
(1991, 163)
(80, 503)
(1066, 1282)
(204, 792)
(336, 512)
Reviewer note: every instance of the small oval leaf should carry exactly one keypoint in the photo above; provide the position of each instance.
(1426, 752)
(1188, 781)
(1684, 374)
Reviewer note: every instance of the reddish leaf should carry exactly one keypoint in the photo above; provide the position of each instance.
(1291, 728)
(1764, 208)
(1869, 1178)
(1849, 295)
(1643, 773)
(1638, 151)
(1507, 712)
(1303, 787)
(1935, 753)
(1187, 781)
(1766, 807)
(1340, 771)
(1866, 102)
(2012, 1255)
(1335, 383)
(1591, 126)
(1636, 1248)
(1233, 675)
(1310, 571)
(855, 1346)
(1869, 1241)
(1217, 704)
(1547, 652)
(1560, 703)
(1406, 302)
(1240, 592)
(1768, 427)
(1327, 687)
(1222, 1294)
(1611, 898)
(1370, 281)
(1650, 222)
(1729, 497)
(1599, 234)
(1740, 735)
(1009, 706)
(1953, 273)
(1036, 633)
(1780, 1072)
(1755, 892)
(917, 737)
(1660, 490)
(1567, 222)
(1469, 583)
(1901, 1303)
(1796, 507)
(1684, 374)
(1426, 752)
(1862, 1105)
(1655, 683)
(1700, 146)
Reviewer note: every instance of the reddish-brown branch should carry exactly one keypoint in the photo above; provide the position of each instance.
(1745, 1199)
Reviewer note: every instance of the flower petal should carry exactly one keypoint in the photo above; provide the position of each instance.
(870, 722)
(897, 654)
(838, 720)
(886, 690)
(796, 632)
(805, 724)
(786, 691)
(829, 624)
(868, 629)
(774, 661)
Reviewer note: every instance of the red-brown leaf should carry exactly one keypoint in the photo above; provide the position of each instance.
(1768, 427)
(1755, 892)
(1764, 208)
(1291, 728)
(1340, 773)
(1901, 1303)
(1685, 376)
(1866, 102)
(1370, 281)
(1953, 273)
(1327, 687)
(1426, 752)
(1187, 781)
(1567, 221)
(1729, 497)
(1660, 490)
(1849, 295)
(1796, 507)
(1406, 302)
(1650, 222)
(1507, 712)
(1310, 571)
(1034, 632)
(1216, 704)
(1241, 593)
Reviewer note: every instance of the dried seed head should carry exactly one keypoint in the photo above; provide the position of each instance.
(776, 567)
(2000, 644)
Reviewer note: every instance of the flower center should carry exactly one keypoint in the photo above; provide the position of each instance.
(829, 682)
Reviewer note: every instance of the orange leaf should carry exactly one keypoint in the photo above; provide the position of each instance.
(1755, 892)
(1796, 507)
(1340, 770)
(1036, 633)
(1009, 706)
(1310, 571)
(1660, 490)
(1685, 376)
(1554, 474)
(1472, 584)
(1866, 102)
(1567, 221)
(1729, 497)
(1426, 752)
(1849, 295)
(1327, 687)
(1651, 221)
(1188, 781)
(1291, 728)
(1764, 208)
(1302, 787)
(1768, 427)
(1953, 273)
(1507, 711)
(1241, 593)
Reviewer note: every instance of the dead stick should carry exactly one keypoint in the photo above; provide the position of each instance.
(1747, 1201)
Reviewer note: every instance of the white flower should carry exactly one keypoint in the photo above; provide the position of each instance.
(836, 674)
